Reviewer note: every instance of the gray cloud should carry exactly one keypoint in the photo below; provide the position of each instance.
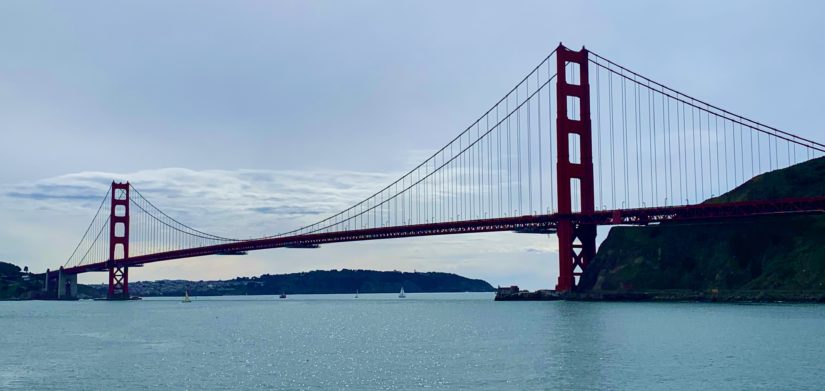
(46, 196)
(286, 210)
(234, 203)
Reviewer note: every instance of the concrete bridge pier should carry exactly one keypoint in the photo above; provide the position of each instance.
(50, 291)
(66, 285)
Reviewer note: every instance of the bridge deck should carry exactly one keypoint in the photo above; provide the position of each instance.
(529, 223)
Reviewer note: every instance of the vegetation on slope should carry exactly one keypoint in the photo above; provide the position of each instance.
(798, 181)
(773, 254)
(15, 284)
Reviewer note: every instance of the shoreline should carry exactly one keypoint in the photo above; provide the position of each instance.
(89, 298)
(742, 296)
(664, 296)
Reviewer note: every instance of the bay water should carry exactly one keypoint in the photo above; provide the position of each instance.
(425, 341)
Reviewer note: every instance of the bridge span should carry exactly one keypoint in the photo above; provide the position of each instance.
(579, 142)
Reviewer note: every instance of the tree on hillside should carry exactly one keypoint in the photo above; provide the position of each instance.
(9, 271)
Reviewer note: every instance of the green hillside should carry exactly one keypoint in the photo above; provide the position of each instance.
(777, 255)
(15, 284)
(798, 181)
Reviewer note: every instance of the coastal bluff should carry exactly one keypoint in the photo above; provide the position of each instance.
(766, 258)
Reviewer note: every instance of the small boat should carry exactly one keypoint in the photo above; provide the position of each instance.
(402, 295)
(356, 293)
(186, 298)
(283, 295)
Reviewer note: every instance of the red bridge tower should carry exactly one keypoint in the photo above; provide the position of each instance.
(119, 236)
(577, 242)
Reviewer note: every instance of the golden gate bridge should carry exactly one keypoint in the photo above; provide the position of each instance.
(579, 142)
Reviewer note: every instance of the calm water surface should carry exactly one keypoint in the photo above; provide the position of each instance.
(438, 341)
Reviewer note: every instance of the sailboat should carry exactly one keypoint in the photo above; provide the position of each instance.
(186, 298)
(356, 293)
(402, 295)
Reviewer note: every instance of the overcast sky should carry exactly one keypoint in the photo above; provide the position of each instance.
(326, 102)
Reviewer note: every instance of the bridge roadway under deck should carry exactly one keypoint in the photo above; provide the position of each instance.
(528, 224)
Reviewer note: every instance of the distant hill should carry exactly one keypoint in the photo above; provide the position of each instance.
(314, 282)
(779, 256)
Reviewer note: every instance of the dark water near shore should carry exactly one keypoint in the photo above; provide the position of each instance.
(440, 341)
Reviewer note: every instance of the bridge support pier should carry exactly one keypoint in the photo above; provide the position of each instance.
(46, 283)
(50, 290)
(577, 242)
(118, 283)
(66, 285)
(577, 248)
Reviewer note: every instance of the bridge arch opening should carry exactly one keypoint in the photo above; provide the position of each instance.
(120, 230)
(119, 251)
(574, 108)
